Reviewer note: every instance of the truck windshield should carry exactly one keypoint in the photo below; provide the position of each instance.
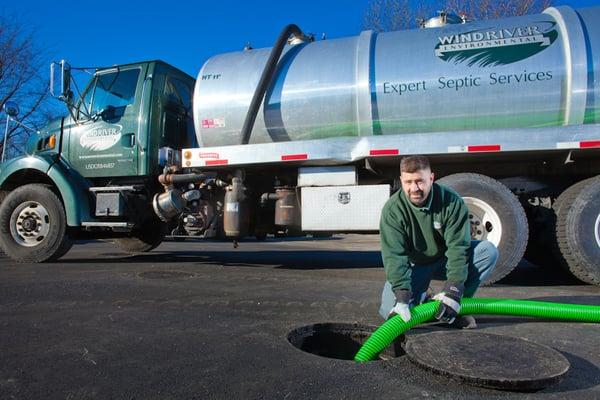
(115, 89)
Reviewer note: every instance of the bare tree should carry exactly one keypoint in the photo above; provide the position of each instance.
(488, 9)
(391, 15)
(21, 81)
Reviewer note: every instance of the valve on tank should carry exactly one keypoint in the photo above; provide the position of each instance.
(442, 19)
(287, 209)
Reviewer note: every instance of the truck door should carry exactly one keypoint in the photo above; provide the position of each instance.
(178, 125)
(104, 142)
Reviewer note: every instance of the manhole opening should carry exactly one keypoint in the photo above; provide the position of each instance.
(165, 275)
(338, 340)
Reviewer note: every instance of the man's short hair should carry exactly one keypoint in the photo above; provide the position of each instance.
(413, 164)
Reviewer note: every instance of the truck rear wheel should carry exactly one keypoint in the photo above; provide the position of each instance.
(496, 215)
(148, 237)
(33, 226)
(554, 257)
(578, 229)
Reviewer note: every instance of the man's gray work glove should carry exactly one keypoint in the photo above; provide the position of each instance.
(449, 299)
(402, 308)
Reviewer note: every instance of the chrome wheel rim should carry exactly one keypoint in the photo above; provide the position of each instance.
(485, 222)
(29, 224)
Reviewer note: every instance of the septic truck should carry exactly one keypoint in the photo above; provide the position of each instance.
(306, 138)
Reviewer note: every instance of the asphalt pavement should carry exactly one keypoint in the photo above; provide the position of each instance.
(202, 320)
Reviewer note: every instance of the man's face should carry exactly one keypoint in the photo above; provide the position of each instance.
(417, 185)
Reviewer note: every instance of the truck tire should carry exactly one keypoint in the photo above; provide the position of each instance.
(33, 225)
(496, 215)
(578, 229)
(554, 256)
(147, 238)
(3, 194)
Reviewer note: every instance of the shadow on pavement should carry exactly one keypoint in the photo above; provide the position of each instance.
(299, 260)
(582, 375)
(270, 239)
(527, 274)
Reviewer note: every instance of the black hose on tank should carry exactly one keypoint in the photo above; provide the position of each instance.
(265, 79)
(168, 179)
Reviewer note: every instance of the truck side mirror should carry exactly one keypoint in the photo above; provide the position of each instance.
(11, 109)
(66, 94)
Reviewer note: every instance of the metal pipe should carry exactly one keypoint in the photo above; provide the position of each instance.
(5, 137)
(266, 78)
(265, 197)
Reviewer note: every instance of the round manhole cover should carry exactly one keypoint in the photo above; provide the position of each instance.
(165, 275)
(338, 340)
(488, 360)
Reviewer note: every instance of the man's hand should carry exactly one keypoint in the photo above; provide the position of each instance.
(449, 299)
(402, 308)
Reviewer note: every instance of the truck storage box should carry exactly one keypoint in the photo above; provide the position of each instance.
(343, 208)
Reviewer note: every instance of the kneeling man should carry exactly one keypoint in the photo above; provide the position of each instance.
(425, 232)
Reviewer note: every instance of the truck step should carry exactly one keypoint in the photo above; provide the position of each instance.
(114, 226)
(131, 188)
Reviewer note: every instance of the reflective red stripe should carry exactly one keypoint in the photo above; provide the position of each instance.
(589, 144)
(384, 152)
(217, 162)
(291, 157)
(485, 147)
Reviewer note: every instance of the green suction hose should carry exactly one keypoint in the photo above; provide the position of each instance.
(394, 327)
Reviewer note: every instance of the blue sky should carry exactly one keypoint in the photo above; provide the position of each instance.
(182, 33)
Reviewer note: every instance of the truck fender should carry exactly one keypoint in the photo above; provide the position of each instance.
(22, 163)
(74, 192)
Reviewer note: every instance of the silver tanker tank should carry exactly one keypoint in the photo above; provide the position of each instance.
(529, 71)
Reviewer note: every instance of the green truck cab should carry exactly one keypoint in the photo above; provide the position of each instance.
(93, 173)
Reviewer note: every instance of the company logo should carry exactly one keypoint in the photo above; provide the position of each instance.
(492, 47)
(344, 197)
(100, 139)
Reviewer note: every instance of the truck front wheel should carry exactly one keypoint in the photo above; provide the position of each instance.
(146, 238)
(33, 226)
